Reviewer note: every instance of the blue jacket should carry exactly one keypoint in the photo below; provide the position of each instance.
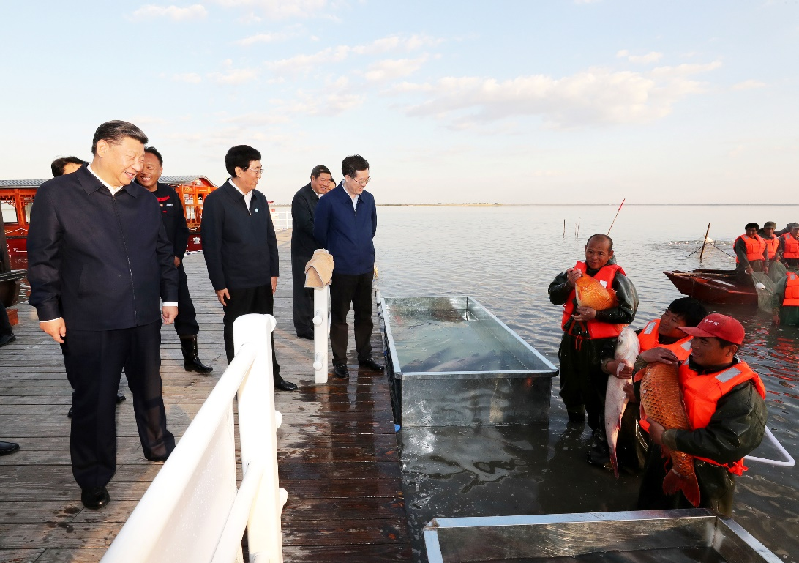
(101, 262)
(240, 247)
(345, 233)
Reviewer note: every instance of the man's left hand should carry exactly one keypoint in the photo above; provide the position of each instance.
(584, 314)
(168, 313)
(656, 432)
(274, 284)
(177, 262)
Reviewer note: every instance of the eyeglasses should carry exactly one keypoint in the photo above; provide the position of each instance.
(258, 171)
(361, 183)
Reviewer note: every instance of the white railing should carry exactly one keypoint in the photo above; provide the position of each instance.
(192, 511)
(321, 322)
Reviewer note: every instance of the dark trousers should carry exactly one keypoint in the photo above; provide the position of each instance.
(186, 321)
(302, 296)
(243, 302)
(94, 361)
(346, 289)
(583, 384)
(5, 323)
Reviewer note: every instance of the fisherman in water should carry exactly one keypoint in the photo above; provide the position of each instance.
(661, 340)
(789, 247)
(749, 250)
(725, 403)
(586, 332)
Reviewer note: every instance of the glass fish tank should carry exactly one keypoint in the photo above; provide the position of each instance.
(451, 362)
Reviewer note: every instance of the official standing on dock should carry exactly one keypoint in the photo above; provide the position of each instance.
(345, 224)
(99, 264)
(240, 247)
(303, 245)
(177, 231)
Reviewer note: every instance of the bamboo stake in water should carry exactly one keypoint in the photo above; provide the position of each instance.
(704, 242)
(564, 228)
(617, 214)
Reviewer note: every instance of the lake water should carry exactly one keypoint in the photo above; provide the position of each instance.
(505, 257)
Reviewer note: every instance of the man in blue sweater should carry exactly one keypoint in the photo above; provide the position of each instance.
(240, 247)
(345, 224)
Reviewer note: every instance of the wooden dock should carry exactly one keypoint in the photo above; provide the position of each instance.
(337, 449)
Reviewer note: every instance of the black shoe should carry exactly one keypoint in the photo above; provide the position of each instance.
(8, 448)
(598, 450)
(191, 361)
(95, 498)
(576, 416)
(120, 398)
(370, 363)
(306, 335)
(283, 385)
(69, 414)
(157, 458)
(7, 339)
(341, 371)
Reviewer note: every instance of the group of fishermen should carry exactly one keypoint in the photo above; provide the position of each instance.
(723, 397)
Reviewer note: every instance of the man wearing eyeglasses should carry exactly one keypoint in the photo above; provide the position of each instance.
(240, 247)
(345, 224)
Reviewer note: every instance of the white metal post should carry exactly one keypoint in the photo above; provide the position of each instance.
(321, 332)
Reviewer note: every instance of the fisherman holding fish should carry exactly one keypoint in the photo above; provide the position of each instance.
(705, 415)
(598, 301)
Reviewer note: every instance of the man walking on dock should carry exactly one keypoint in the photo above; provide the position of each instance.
(303, 245)
(178, 234)
(345, 224)
(99, 265)
(240, 247)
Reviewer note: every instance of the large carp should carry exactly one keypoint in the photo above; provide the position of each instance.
(661, 401)
(591, 293)
(615, 397)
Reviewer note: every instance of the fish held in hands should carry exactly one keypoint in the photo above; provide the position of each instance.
(615, 398)
(591, 293)
(662, 402)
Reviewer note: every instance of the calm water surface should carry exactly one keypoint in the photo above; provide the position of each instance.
(506, 257)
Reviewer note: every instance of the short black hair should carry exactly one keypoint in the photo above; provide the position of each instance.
(114, 131)
(724, 343)
(153, 151)
(690, 309)
(318, 170)
(601, 237)
(240, 156)
(751, 226)
(352, 164)
(58, 165)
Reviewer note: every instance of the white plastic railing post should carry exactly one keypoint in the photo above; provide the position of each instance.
(321, 332)
(258, 423)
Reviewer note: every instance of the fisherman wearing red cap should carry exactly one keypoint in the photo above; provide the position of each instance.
(725, 403)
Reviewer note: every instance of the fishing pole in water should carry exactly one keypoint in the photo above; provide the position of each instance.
(617, 214)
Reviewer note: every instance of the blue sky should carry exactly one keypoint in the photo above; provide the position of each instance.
(502, 101)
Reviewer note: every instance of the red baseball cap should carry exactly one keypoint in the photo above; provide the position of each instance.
(716, 325)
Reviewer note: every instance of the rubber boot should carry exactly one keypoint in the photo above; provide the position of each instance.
(188, 345)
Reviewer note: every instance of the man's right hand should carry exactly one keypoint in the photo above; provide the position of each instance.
(662, 355)
(56, 329)
(222, 294)
(573, 274)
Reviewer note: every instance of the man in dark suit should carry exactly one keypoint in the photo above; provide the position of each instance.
(178, 234)
(345, 224)
(99, 264)
(303, 245)
(240, 247)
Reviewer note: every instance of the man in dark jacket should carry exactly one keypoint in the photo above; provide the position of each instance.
(240, 247)
(99, 264)
(345, 224)
(725, 404)
(178, 234)
(303, 245)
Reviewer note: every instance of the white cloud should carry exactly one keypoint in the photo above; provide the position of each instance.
(280, 9)
(597, 96)
(289, 33)
(189, 77)
(749, 85)
(650, 57)
(391, 69)
(236, 76)
(151, 11)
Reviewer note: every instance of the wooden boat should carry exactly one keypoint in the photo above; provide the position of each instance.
(714, 286)
(16, 200)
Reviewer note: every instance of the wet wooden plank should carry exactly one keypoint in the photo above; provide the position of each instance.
(375, 553)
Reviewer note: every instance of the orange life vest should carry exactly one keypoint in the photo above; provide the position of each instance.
(790, 247)
(791, 291)
(596, 329)
(648, 339)
(772, 244)
(754, 247)
(701, 394)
